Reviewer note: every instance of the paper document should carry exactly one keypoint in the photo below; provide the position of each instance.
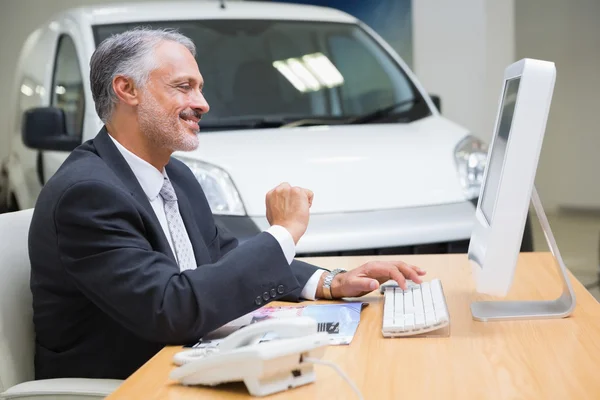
(340, 320)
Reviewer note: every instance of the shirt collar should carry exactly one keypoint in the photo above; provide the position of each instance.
(150, 179)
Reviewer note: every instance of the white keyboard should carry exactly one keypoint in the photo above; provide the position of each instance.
(418, 309)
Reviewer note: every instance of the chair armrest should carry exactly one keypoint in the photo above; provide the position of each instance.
(62, 388)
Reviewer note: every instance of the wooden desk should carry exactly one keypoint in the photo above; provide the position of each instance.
(544, 359)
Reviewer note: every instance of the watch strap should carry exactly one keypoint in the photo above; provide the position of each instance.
(328, 280)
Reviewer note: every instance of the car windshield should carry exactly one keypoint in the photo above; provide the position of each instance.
(270, 73)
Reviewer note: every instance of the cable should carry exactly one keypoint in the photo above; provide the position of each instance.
(338, 370)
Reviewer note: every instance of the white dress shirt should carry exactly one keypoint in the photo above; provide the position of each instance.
(151, 181)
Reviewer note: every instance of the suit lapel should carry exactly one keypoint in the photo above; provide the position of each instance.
(110, 154)
(187, 214)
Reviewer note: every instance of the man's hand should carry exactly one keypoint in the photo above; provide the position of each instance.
(288, 206)
(369, 276)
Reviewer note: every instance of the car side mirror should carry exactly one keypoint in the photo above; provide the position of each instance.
(44, 128)
(437, 101)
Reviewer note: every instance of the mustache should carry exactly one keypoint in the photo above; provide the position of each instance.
(190, 114)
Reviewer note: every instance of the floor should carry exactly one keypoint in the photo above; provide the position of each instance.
(577, 235)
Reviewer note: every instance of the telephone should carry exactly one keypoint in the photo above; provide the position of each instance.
(265, 368)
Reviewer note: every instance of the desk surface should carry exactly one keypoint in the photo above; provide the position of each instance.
(543, 359)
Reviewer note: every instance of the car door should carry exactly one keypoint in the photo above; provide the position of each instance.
(67, 93)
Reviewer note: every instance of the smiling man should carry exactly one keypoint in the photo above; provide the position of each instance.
(125, 254)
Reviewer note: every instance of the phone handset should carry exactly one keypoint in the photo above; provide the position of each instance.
(283, 328)
(252, 334)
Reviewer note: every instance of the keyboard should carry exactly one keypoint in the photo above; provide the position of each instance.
(421, 308)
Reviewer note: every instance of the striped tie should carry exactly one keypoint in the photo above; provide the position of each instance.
(183, 248)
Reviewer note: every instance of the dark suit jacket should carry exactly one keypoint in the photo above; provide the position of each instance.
(107, 291)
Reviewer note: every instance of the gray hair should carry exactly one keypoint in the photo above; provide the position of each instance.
(130, 54)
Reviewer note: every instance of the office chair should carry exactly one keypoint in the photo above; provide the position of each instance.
(16, 326)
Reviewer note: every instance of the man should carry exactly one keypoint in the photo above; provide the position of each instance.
(125, 254)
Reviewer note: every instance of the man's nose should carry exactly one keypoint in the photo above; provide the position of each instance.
(199, 103)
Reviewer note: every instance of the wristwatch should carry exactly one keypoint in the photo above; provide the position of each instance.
(328, 280)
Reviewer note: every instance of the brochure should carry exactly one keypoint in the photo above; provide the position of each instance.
(340, 320)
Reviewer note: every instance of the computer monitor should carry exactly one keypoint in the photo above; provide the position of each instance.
(507, 190)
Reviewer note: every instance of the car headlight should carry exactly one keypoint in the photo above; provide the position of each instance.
(222, 195)
(471, 156)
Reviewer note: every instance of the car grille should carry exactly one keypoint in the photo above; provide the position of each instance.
(460, 246)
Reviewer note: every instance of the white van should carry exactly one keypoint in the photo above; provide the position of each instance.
(302, 94)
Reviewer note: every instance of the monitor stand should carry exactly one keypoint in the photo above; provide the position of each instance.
(514, 310)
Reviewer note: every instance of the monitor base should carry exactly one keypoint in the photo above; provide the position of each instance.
(561, 307)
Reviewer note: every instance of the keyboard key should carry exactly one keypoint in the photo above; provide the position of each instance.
(388, 325)
(427, 299)
(419, 321)
(436, 293)
(399, 324)
(430, 319)
(409, 306)
(418, 300)
(388, 306)
(398, 316)
(441, 315)
(409, 321)
(388, 312)
(399, 300)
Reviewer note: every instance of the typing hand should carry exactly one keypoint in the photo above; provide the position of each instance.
(369, 276)
(288, 206)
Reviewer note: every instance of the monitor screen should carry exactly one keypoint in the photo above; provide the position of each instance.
(496, 162)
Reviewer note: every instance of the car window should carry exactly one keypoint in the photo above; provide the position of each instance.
(370, 84)
(30, 96)
(67, 86)
(301, 69)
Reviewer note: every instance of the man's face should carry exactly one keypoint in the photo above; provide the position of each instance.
(172, 103)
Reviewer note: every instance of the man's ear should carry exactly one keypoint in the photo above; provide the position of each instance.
(126, 90)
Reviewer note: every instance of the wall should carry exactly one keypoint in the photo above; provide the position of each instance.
(567, 33)
(461, 48)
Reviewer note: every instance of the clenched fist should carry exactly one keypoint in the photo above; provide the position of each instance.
(288, 206)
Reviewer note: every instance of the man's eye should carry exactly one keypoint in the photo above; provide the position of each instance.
(185, 87)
